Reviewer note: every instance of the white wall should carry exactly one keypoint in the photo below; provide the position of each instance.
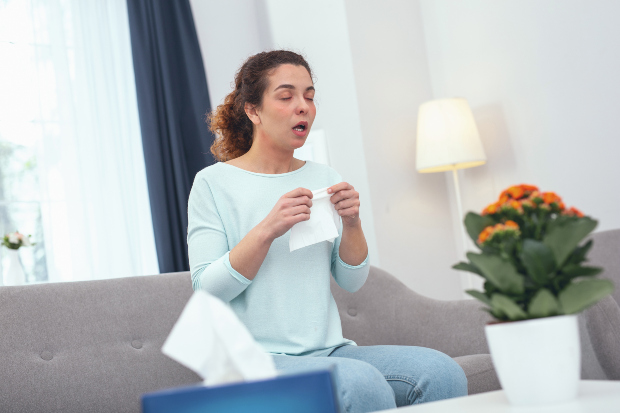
(411, 210)
(228, 32)
(542, 80)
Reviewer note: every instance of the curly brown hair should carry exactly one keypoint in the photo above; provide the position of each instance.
(229, 123)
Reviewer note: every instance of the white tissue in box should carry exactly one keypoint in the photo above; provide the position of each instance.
(322, 225)
(209, 339)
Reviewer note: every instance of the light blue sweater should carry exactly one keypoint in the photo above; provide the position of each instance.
(288, 307)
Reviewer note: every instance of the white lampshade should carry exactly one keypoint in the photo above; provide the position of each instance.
(447, 137)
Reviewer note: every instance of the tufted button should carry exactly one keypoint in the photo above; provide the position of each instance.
(352, 312)
(137, 344)
(46, 355)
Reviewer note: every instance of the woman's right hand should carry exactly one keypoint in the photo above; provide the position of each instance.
(291, 208)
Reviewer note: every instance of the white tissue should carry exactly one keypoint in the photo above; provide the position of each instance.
(322, 225)
(209, 339)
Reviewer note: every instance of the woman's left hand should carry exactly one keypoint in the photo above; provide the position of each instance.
(346, 200)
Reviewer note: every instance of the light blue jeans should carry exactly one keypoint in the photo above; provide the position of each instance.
(371, 378)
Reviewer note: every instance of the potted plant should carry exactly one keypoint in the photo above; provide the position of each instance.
(535, 282)
(15, 273)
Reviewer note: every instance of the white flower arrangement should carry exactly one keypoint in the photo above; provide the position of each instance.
(15, 240)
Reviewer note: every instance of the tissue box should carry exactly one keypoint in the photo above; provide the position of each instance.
(308, 392)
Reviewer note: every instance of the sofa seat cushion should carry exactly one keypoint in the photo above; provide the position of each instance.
(481, 376)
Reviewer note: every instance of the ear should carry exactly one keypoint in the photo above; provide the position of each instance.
(252, 113)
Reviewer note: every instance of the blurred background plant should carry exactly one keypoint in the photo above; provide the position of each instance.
(16, 240)
(530, 259)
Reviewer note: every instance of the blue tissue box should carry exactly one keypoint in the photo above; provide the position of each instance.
(308, 392)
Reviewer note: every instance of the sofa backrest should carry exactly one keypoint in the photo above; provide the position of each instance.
(90, 346)
(606, 253)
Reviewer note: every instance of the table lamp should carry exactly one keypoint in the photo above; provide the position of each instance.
(448, 140)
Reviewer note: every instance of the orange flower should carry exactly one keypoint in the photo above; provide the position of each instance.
(551, 197)
(516, 192)
(516, 205)
(535, 194)
(492, 229)
(528, 203)
(491, 209)
(485, 234)
(511, 224)
(573, 212)
(529, 188)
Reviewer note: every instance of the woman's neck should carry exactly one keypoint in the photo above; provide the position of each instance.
(267, 161)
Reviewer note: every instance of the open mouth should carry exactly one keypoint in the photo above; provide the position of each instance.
(300, 127)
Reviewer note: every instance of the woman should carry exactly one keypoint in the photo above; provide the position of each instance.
(240, 213)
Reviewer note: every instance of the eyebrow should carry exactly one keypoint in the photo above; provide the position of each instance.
(292, 87)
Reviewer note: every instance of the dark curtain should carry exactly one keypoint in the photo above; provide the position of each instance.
(172, 101)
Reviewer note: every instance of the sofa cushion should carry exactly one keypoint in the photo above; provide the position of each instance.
(481, 376)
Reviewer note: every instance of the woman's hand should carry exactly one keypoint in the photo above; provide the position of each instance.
(291, 208)
(346, 200)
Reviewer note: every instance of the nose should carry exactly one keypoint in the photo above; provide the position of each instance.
(302, 107)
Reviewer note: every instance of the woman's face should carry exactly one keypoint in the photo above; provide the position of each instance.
(287, 111)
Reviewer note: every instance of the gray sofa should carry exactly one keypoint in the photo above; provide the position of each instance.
(94, 346)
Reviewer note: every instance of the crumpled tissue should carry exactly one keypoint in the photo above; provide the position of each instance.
(322, 225)
(209, 339)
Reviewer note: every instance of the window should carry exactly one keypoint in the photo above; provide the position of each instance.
(71, 162)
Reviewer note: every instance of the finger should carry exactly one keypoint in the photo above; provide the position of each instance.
(347, 203)
(299, 218)
(348, 212)
(295, 193)
(301, 200)
(300, 209)
(338, 187)
(344, 194)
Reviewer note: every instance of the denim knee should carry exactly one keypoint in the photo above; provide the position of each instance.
(362, 388)
(446, 381)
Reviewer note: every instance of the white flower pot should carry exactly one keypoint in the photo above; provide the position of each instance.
(537, 361)
(14, 274)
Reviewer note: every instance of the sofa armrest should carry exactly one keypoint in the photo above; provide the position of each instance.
(385, 311)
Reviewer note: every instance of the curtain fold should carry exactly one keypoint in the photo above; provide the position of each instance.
(173, 99)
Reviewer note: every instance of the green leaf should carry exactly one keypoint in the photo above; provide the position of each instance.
(502, 304)
(495, 314)
(579, 255)
(480, 296)
(465, 266)
(499, 272)
(580, 295)
(538, 260)
(544, 304)
(580, 271)
(475, 223)
(564, 235)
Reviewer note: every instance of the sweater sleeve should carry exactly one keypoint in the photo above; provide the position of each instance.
(349, 277)
(208, 246)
